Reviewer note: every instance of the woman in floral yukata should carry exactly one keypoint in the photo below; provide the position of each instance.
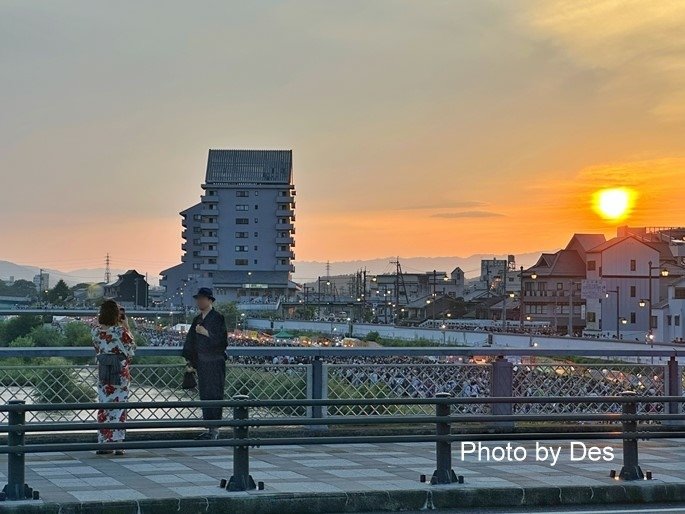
(114, 347)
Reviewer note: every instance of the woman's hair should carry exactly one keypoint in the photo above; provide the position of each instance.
(109, 313)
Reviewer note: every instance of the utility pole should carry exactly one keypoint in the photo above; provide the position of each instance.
(569, 329)
(108, 272)
(504, 298)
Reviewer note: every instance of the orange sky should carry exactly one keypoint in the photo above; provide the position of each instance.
(429, 128)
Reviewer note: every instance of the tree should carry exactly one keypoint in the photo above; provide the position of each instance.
(230, 313)
(77, 334)
(47, 336)
(59, 294)
(18, 327)
(20, 288)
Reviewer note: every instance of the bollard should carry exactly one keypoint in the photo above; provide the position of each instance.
(631, 469)
(443, 474)
(241, 479)
(16, 488)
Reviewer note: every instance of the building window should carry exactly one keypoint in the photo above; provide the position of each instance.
(256, 220)
(241, 248)
(632, 317)
(560, 286)
(256, 207)
(679, 293)
(676, 320)
(242, 221)
(242, 207)
(242, 235)
(256, 234)
(196, 266)
(242, 194)
(633, 265)
(632, 292)
(255, 261)
(591, 317)
(255, 248)
(211, 261)
(591, 265)
(241, 262)
(669, 320)
(196, 254)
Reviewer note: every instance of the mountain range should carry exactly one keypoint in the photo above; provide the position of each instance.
(305, 271)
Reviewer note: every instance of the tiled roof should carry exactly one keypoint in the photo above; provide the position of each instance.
(564, 263)
(587, 241)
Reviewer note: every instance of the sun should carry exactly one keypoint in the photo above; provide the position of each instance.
(615, 203)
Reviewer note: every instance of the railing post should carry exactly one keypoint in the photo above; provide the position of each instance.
(674, 387)
(502, 386)
(631, 469)
(443, 474)
(16, 488)
(241, 479)
(316, 389)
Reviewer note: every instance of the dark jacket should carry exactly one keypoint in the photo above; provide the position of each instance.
(198, 346)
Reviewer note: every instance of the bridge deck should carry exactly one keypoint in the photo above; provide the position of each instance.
(317, 469)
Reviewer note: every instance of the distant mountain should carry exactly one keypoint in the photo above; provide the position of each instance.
(306, 271)
(20, 271)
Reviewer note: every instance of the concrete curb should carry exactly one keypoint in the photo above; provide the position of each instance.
(435, 497)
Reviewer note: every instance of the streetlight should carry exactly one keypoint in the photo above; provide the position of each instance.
(643, 302)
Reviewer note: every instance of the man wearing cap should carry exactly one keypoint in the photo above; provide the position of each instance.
(205, 352)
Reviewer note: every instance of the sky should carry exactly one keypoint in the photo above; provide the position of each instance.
(418, 128)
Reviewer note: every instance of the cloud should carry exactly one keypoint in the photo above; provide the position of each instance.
(465, 204)
(639, 45)
(468, 214)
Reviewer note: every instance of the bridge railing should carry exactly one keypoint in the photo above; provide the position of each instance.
(344, 374)
(627, 425)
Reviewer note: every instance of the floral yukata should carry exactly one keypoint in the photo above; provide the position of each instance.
(114, 347)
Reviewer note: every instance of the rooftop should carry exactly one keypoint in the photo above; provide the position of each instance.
(249, 167)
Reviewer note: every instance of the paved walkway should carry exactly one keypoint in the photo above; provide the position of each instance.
(329, 468)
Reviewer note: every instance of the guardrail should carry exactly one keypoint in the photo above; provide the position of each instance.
(629, 431)
(347, 373)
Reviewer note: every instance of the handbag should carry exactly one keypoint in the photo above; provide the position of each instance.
(189, 380)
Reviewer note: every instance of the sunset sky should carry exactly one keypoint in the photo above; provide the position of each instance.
(418, 128)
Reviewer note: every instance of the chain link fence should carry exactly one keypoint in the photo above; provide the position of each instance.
(584, 380)
(348, 381)
(159, 383)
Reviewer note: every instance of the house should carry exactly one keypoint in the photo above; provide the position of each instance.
(130, 289)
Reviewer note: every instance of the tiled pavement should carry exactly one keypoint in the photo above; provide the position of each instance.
(318, 468)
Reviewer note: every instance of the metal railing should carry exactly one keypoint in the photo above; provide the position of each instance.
(344, 373)
(629, 427)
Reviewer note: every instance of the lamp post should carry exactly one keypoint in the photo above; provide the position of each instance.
(618, 316)
(644, 301)
(521, 300)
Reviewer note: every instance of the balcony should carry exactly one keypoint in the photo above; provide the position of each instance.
(184, 246)
(205, 225)
(209, 212)
(209, 267)
(282, 254)
(209, 199)
(284, 267)
(285, 240)
(209, 253)
(285, 226)
(209, 240)
(285, 199)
